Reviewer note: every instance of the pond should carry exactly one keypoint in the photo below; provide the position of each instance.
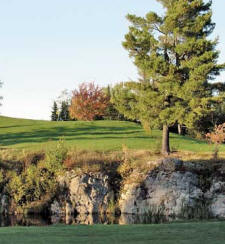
(124, 219)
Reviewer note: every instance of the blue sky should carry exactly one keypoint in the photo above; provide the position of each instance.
(47, 46)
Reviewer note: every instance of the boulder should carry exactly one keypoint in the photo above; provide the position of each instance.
(83, 194)
(90, 193)
(166, 190)
(216, 198)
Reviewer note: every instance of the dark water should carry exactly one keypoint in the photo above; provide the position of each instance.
(38, 220)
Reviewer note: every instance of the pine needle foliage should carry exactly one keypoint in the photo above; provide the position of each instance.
(176, 61)
(54, 115)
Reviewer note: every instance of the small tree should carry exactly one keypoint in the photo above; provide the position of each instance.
(217, 137)
(54, 115)
(88, 102)
(65, 96)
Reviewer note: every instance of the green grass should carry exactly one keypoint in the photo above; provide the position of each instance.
(96, 135)
(179, 233)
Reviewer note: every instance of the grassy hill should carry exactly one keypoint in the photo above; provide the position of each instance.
(96, 135)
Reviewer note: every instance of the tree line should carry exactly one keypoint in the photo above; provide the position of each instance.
(88, 102)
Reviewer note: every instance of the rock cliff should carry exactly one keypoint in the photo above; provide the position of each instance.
(83, 194)
(171, 188)
(175, 188)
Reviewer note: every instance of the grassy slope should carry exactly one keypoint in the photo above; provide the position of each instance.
(97, 135)
(193, 233)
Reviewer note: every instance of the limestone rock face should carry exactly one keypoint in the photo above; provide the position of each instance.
(4, 204)
(170, 188)
(90, 193)
(56, 208)
(84, 194)
(216, 197)
(166, 190)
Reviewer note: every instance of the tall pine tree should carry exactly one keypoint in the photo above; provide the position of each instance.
(54, 115)
(176, 61)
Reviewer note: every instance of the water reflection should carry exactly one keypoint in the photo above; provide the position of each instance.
(21, 220)
(38, 220)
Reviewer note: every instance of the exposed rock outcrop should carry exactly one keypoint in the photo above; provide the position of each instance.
(83, 194)
(166, 190)
(216, 197)
(4, 204)
(170, 188)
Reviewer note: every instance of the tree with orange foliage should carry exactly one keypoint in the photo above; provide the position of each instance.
(88, 102)
(217, 137)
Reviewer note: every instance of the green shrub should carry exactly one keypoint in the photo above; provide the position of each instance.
(56, 157)
(37, 180)
(16, 188)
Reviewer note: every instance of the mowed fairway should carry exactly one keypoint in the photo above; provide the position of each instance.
(96, 135)
(193, 233)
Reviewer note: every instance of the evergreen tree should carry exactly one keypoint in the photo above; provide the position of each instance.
(176, 62)
(64, 111)
(54, 116)
(216, 117)
(111, 113)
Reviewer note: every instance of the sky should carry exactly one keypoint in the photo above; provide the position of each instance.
(47, 46)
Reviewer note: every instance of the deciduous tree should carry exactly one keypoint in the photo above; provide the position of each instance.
(217, 137)
(88, 102)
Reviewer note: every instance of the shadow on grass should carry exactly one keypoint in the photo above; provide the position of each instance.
(82, 131)
(77, 133)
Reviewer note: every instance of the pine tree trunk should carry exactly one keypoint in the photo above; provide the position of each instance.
(179, 127)
(165, 141)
